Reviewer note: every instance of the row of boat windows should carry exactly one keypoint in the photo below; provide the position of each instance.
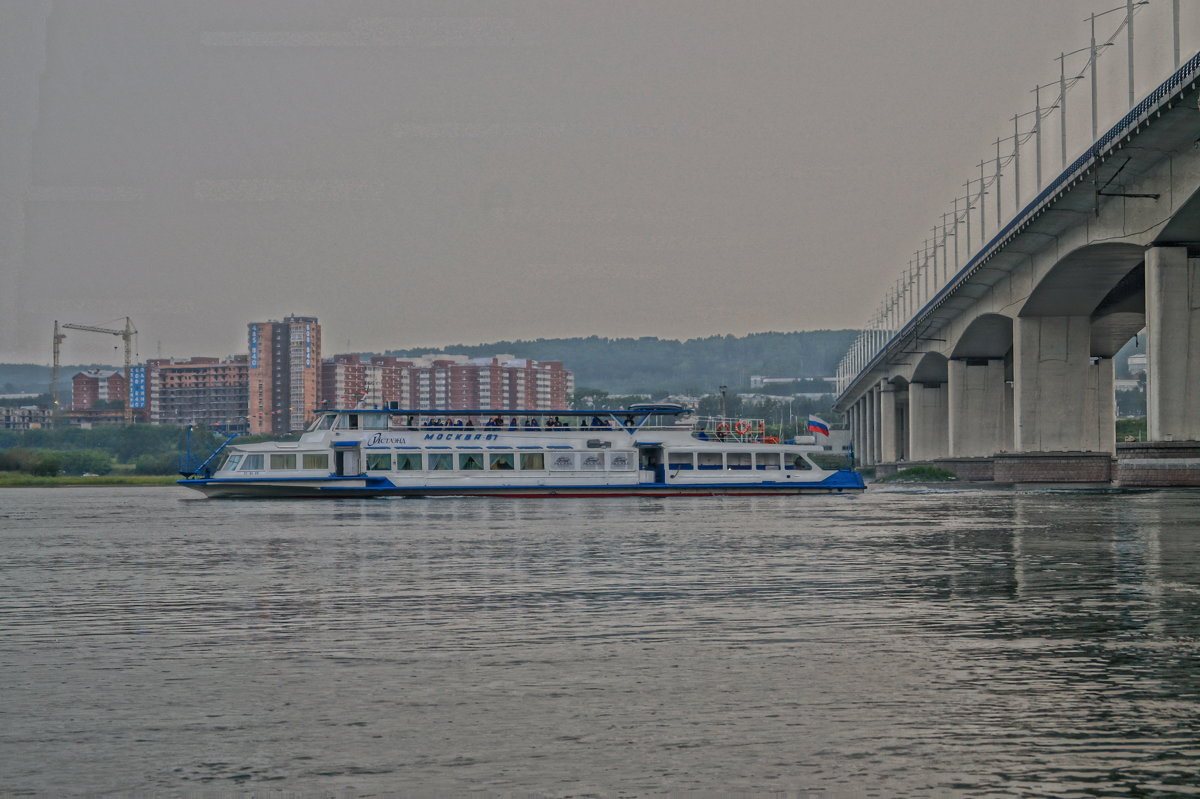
(257, 461)
(499, 461)
(773, 461)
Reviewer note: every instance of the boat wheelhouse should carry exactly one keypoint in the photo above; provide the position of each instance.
(645, 450)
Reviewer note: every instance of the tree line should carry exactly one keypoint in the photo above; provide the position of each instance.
(655, 365)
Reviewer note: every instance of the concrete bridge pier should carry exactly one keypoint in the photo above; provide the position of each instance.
(1064, 397)
(928, 431)
(893, 427)
(977, 397)
(1171, 456)
(1064, 405)
(1173, 346)
(873, 424)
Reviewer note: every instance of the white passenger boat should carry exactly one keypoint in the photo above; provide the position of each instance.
(646, 450)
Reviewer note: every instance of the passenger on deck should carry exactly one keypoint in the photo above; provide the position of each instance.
(512, 423)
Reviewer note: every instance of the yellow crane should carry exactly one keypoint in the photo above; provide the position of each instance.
(127, 333)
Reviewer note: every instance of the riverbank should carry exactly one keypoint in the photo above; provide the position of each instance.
(17, 480)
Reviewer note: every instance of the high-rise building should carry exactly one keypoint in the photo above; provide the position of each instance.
(284, 373)
(203, 391)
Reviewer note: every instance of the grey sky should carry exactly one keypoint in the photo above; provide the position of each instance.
(420, 173)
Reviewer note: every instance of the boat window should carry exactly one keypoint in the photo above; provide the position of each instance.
(534, 461)
(440, 461)
(795, 460)
(379, 461)
(347, 421)
(315, 460)
(470, 461)
(374, 421)
(325, 422)
(620, 461)
(253, 463)
(232, 461)
(709, 460)
(562, 461)
(679, 460)
(283, 460)
(738, 460)
(766, 460)
(408, 461)
(501, 460)
(591, 461)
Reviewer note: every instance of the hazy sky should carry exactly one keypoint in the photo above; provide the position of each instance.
(422, 173)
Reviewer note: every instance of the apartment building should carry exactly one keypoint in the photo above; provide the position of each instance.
(284, 374)
(199, 391)
(446, 381)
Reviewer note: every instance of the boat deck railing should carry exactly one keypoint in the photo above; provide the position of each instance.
(726, 428)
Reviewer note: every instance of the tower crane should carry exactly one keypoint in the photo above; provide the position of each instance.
(127, 333)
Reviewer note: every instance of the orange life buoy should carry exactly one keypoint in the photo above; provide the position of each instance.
(741, 428)
(723, 427)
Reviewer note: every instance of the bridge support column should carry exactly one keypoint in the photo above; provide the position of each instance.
(1173, 349)
(888, 451)
(976, 399)
(1063, 401)
(928, 425)
(873, 425)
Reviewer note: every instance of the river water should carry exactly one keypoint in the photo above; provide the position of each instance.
(974, 643)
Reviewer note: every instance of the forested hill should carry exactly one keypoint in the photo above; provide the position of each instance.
(698, 365)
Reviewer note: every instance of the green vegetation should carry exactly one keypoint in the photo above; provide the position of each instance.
(102, 450)
(920, 474)
(1131, 429)
(18, 480)
(694, 366)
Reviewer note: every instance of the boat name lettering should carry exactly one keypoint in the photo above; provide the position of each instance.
(383, 439)
(460, 436)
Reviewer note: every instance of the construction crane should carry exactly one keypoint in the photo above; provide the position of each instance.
(127, 334)
(58, 340)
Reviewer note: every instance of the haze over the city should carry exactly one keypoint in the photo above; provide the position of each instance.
(427, 173)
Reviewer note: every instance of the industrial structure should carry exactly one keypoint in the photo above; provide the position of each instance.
(126, 333)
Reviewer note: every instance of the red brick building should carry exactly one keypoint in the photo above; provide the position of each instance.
(96, 386)
(447, 382)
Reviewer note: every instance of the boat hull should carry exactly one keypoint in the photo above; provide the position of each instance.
(837, 483)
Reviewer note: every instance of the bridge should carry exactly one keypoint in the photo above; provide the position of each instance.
(1001, 368)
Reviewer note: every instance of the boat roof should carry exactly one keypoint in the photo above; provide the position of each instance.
(638, 410)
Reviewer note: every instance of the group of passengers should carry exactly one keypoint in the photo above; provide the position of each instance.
(514, 423)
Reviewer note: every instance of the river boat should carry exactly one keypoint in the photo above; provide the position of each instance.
(645, 450)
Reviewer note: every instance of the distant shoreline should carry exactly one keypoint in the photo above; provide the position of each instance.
(29, 481)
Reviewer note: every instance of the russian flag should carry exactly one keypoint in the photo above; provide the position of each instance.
(817, 425)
